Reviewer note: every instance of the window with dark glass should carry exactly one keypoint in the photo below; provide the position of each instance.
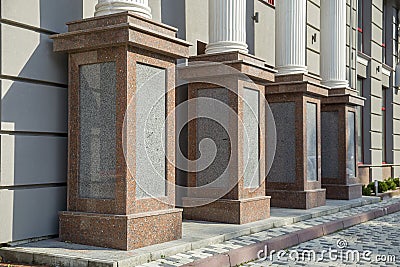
(384, 126)
(360, 25)
(384, 20)
(360, 124)
(395, 35)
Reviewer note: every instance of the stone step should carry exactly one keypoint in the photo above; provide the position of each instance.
(197, 236)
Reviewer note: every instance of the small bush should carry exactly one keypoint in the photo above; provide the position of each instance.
(397, 181)
(371, 187)
(391, 185)
(366, 191)
(382, 187)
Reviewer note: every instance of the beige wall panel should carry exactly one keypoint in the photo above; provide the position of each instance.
(376, 87)
(28, 54)
(196, 23)
(313, 15)
(88, 8)
(264, 37)
(310, 43)
(313, 62)
(376, 106)
(376, 140)
(46, 14)
(28, 213)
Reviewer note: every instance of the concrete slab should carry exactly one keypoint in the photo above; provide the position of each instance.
(195, 235)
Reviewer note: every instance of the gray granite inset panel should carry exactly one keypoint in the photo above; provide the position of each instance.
(312, 144)
(284, 166)
(150, 131)
(330, 144)
(351, 149)
(251, 138)
(97, 105)
(214, 130)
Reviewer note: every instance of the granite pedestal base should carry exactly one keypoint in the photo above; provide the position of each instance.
(339, 142)
(294, 180)
(343, 192)
(114, 198)
(297, 199)
(236, 81)
(124, 232)
(229, 211)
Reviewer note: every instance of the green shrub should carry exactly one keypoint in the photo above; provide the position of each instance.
(397, 181)
(391, 185)
(382, 187)
(371, 187)
(366, 191)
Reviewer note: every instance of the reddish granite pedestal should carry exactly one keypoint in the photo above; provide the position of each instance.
(339, 144)
(238, 198)
(294, 180)
(110, 59)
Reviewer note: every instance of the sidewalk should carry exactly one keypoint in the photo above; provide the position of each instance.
(202, 240)
(373, 243)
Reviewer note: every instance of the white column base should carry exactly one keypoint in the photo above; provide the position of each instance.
(336, 83)
(108, 8)
(227, 46)
(291, 69)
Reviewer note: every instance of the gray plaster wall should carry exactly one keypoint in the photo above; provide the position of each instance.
(264, 32)
(313, 37)
(33, 112)
(378, 75)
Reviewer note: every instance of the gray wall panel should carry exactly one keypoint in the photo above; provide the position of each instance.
(29, 54)
(28, 213)
(33, 107)
(32, 159)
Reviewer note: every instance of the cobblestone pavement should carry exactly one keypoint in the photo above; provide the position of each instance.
(374, 243)
(383, 235)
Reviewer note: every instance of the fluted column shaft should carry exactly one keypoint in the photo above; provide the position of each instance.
(227, 19)
(106, 7)
(333, 43)
(290, 38)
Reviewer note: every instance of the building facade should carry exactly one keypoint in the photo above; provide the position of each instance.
(34, 82)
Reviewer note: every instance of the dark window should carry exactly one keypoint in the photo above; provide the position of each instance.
(360, 124)
(269, 2)
(384, 20)
(384, 130)
(395, 35)
(360, 25)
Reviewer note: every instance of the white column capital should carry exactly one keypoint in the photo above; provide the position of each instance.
(106, 7)
(290, 41)
(333, 43)
(227, 31)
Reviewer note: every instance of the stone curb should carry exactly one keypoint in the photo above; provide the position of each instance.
(245, 254)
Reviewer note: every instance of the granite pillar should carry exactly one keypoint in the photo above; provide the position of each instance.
(232, 188)
(116, 199)
(339, 144)
(294, 180)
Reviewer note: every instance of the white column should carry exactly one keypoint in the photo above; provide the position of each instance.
(290, 41)
(227, 21)
(106, 7)
(333, 43)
